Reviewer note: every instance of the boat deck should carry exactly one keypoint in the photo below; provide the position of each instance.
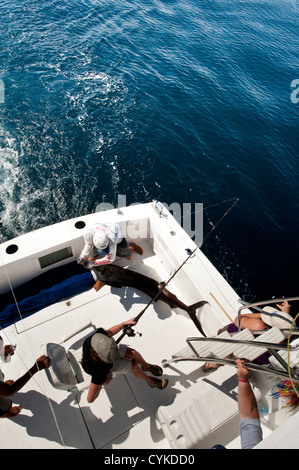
(124, 414)
(127, 406)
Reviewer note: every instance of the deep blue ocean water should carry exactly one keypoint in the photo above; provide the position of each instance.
(187, 101)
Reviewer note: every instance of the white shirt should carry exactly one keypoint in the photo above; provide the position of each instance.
(115, 236)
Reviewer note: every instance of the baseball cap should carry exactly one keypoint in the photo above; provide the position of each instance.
(101, 242)
(100, 239)
(105, 347)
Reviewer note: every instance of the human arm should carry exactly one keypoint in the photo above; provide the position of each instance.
(88, 246)
(115, 236)
(113, 330)
(11, 387)
(108, 259)
(93, 392)
(246, 398)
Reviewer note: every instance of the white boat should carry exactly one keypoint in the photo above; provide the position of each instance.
(195, 411)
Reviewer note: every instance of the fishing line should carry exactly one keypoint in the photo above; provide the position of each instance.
(211, 205)
(129, 330)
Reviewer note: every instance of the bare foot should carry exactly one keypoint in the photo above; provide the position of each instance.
(209, 366)
(132, 251)
(136, 248)
(133, 247)
(98, 286)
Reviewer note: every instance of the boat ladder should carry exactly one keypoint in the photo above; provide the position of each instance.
(226, 347)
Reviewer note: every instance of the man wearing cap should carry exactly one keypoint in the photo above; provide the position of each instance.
(102, 244)
(102, 357)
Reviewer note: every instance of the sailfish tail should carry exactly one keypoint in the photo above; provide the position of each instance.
(192, 308)
(192, 313)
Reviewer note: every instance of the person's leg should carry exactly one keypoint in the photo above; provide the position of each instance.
(130, 360)
(97, 286)
(138, 372)
(210, 366)
(136, 356)
(134, 247)
(146, 366)
(126, 251)
(151, 381)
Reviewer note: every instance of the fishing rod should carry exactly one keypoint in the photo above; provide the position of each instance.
(128, 330)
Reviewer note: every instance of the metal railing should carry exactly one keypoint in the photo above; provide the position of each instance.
(272, 347)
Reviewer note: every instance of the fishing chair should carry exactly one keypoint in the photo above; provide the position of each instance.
(65, 371)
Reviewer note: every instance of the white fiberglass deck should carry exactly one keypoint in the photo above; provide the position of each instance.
(124, 416)
(127, 407)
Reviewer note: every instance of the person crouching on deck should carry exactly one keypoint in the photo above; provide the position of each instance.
(102, 244)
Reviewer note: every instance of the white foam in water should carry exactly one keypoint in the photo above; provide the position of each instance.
(9, 175)
(17, 193)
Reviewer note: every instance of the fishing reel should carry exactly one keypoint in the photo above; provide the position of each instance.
(128, 330)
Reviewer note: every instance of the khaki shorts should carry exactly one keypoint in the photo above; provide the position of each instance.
(122, 365)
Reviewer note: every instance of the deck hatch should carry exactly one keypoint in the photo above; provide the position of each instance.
(55, 257)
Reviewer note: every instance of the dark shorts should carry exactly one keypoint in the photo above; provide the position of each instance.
(5, 405)
(123, 250)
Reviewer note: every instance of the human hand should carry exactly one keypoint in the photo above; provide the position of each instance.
(81, 259)
(242, 372)
(42, 363)
(9, 350)
(284, 306)
(130, 322)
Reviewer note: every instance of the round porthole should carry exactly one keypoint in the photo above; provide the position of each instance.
(11, 249)
(80, 224)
